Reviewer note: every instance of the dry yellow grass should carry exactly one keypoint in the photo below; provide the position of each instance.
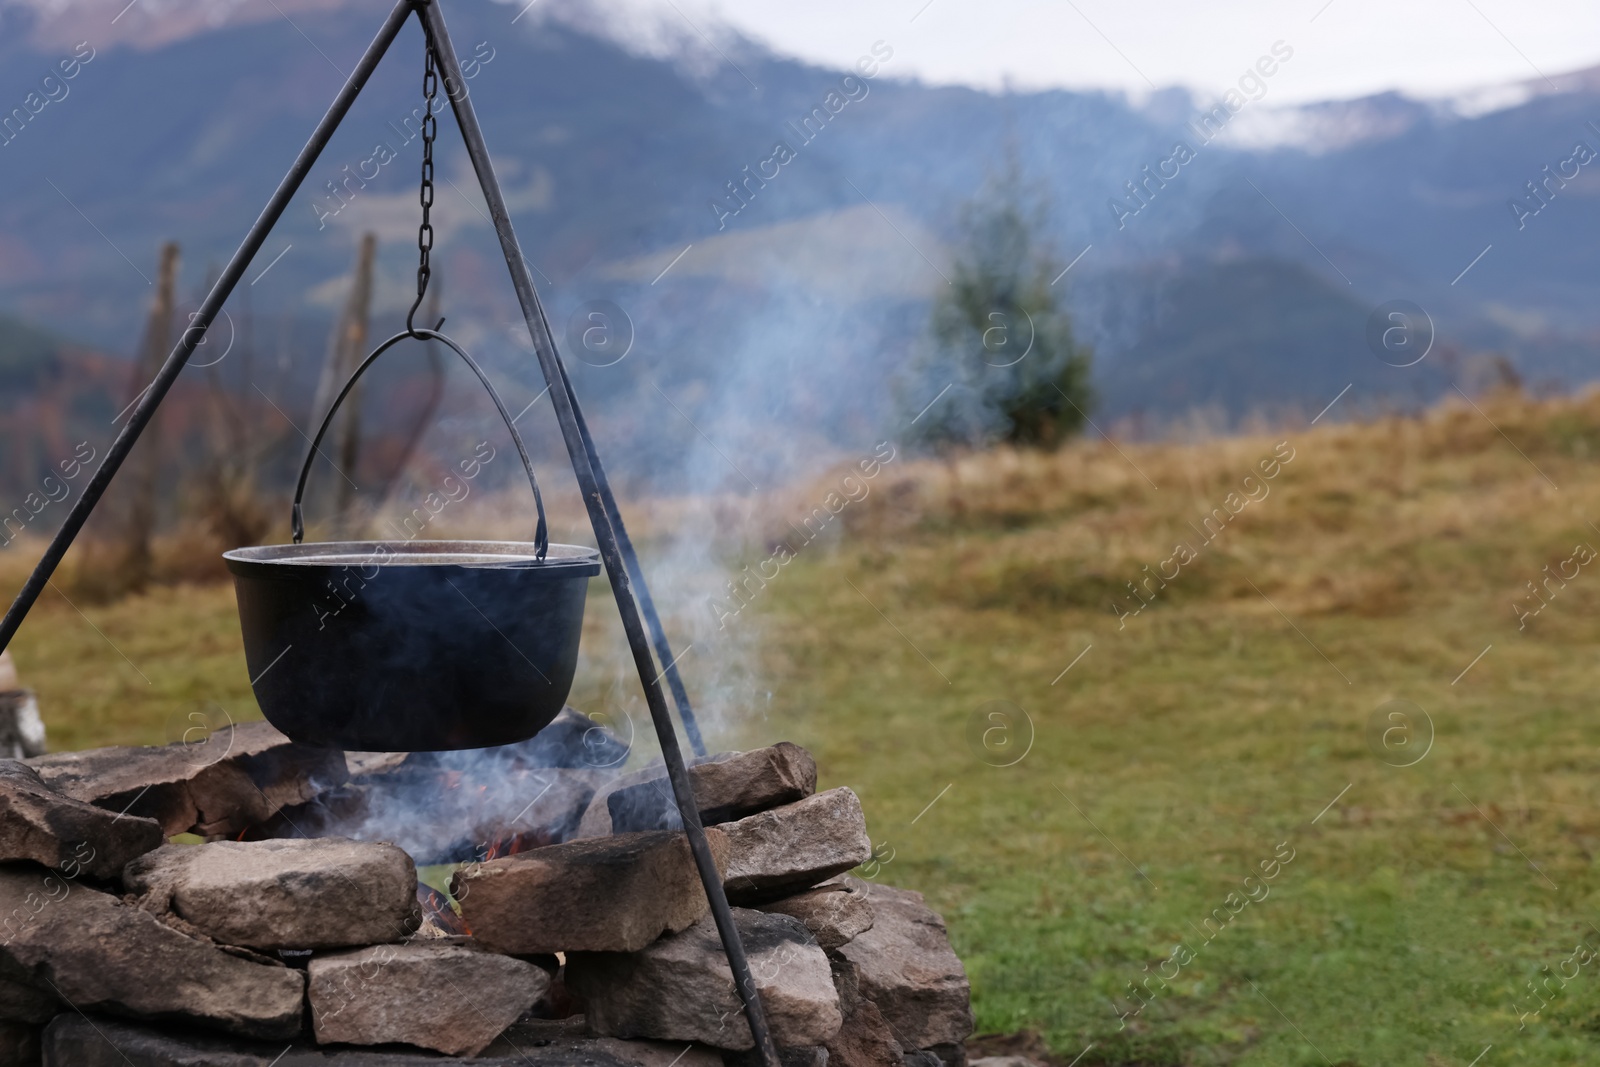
(1369, 520)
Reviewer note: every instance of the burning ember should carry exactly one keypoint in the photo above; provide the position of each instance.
(439, 913)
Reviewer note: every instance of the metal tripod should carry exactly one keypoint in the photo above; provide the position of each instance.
(622, 565)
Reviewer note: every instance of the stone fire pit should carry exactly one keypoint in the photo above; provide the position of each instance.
(288, 925)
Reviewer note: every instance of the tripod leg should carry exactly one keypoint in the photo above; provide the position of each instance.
(616, 569)
(209, 308)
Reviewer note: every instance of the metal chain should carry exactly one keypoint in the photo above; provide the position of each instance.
(430, 126)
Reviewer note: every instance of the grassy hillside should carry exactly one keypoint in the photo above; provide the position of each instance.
(1222, 732)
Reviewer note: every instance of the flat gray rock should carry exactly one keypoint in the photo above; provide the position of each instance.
(596, 820)
(724, 790)
(449, 996)
(237, 777)
(681, 989)
(39, 824)
(607, 894)
(74, 1041)
(319, 893)
(906, 967)
(835, 912)
(865, 1040)
(777, 853)
(103, 954)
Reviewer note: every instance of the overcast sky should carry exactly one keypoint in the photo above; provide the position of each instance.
(1342, 48)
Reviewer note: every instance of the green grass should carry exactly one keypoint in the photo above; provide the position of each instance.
(1193, 746)
(132, 672)
(1179, 752)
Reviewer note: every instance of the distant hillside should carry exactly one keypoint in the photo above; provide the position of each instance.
(1255, 335)
(793, 305)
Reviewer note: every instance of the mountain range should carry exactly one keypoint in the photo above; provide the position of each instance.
(765, 321)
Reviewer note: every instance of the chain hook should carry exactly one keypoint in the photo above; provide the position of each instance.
(430, 129)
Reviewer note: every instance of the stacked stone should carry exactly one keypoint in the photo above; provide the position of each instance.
(860, 970)
(117, 947)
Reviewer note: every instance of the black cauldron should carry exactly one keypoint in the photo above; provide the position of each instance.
(412, 646)
(403, 646)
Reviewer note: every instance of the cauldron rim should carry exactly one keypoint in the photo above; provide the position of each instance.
(561, 561)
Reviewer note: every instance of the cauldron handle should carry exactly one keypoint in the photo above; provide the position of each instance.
(541, 536)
